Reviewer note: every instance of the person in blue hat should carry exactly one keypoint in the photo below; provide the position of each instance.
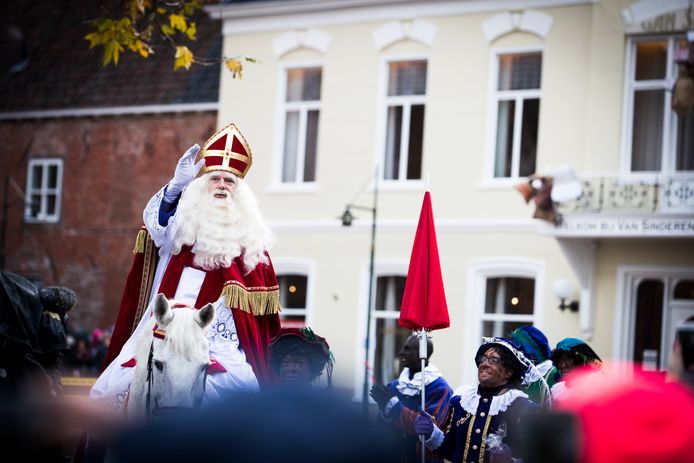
(539, 380)
(484, 421)
(570, 354)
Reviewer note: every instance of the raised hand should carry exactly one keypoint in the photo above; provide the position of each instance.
(186, 170)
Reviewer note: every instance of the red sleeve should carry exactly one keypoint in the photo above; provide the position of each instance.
(256, 331)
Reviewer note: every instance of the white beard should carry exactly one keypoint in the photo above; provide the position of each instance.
(220, 230)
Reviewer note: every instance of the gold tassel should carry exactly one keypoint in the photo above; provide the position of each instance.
(140, 241)
(258, 302)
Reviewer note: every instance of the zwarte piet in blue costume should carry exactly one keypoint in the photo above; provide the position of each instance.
(484, 420)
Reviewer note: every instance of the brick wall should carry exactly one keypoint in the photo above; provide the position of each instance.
(111, 167)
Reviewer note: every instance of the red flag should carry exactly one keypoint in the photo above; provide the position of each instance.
(424, 300)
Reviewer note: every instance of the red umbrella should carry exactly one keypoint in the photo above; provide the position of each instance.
(424, 300)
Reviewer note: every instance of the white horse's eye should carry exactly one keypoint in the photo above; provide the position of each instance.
(159, 365)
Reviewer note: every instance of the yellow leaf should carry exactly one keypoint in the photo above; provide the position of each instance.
(111, 51)
(142, 49)
(123, 23)
(189, 8)
(94, 39)
(177, 21)
(116, 50)
(184, 57)
(167, 30)
(103, 24)
(235, 67)
(191, 31)
(161, 10)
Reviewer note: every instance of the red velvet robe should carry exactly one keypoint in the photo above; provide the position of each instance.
(253, 299)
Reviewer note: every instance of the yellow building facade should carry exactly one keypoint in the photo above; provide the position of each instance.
(470, 98)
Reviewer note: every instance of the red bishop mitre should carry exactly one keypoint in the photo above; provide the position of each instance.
(227, 151)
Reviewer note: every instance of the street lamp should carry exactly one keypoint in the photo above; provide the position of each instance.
(347, 219)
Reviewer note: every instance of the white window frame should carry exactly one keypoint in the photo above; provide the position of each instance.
(383, 267)
(304, 267)
(43, 190)
(668, 154)
(493, 113)
(382, 110)
(478, 273)
(299, 185)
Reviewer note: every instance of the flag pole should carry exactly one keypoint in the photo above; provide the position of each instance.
(422, 359)
(423, 306)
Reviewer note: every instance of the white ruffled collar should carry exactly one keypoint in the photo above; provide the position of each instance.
(470, 399)
(411, 387)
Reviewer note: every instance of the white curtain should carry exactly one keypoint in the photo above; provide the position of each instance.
(291, 135)
(504, 139)
(647, 138)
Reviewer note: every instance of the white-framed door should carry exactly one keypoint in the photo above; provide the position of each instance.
(651, 303)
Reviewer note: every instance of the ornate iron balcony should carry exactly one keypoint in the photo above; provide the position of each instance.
(622, 195)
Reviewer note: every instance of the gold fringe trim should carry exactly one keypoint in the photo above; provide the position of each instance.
(262, 300)
(140, 241)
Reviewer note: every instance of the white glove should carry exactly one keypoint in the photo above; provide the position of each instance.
(186, 171)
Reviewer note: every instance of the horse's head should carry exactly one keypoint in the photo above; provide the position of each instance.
(172, 359)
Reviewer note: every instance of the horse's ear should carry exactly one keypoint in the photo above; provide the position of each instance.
(206, 315)
(162, 311)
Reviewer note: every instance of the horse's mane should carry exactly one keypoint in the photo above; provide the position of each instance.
(183, 335)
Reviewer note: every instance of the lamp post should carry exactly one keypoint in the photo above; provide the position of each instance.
(347, 219)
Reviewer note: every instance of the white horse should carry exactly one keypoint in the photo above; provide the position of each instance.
(172, 356)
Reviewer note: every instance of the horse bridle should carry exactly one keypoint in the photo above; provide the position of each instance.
(160, 411)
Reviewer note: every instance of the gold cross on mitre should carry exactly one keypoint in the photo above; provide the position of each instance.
(228, 151)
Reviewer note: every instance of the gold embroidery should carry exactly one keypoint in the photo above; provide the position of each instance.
(450, 422)
(148, 266)
(463, 419)
(484, 437)
(469, 433)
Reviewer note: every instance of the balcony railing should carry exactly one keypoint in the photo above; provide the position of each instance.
(660, 194)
